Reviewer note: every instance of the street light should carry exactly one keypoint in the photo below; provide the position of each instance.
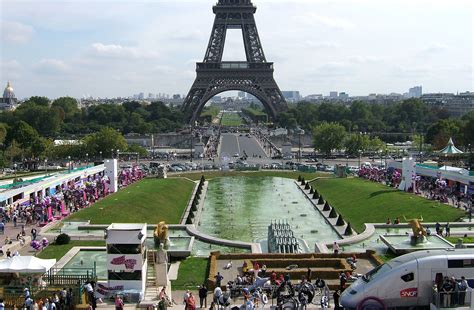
(100, 155)
(14, 169)
(69, 163)
(360, 154)
(118, 155)
(46, 165)
(87, 159)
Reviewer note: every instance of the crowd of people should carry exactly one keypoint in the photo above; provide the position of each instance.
(430, 188)
(60, 300)
(451, 292)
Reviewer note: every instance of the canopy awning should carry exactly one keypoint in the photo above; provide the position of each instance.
(450, 148)
(26, 264)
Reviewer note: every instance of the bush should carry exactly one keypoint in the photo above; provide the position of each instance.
(348, 231)
(62, 239)
(340, 221)
(327, 207)
(321, 200)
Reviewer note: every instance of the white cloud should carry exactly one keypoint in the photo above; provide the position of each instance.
(320, 44)
(51, 66)
(435, 48)
(15, 32)
(332, 22)
(365, 59)
(119, 51)
(10, 70)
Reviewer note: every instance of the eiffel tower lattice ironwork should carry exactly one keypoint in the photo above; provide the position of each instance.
(254, 76)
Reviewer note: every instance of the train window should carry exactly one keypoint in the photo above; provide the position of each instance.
(460, 263)
(408, 277)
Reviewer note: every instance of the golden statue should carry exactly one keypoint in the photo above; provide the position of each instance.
(415, 224)
(160, 235)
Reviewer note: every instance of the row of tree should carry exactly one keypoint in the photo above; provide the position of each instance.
(63, 117)
(21, 142)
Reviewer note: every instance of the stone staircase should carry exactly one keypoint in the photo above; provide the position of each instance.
(152, 290)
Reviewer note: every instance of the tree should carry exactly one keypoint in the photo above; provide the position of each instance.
(107, 141)
(69, 106)
(440, 132)
(138, 149)
(375, 145)
(356, 143)
(3, 132)
(328, 137)
(37, 100)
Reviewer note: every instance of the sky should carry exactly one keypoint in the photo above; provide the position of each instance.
(111, 48)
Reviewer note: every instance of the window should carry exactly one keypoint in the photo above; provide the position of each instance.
(124, 248)
(408, 277)
(460, 263)
(129, 276)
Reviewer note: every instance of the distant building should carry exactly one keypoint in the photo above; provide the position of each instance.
(343, 96)
(291, 95)
(241, 94)
(415, 92)
(176, 96)
(333, 95)
(8, 102)
(456, 105)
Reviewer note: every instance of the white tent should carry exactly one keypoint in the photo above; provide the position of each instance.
(450, 148)
(26, 264)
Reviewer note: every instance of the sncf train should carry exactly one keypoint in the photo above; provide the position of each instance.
(408, 280)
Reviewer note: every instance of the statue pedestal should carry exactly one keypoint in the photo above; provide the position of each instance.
(161, 274)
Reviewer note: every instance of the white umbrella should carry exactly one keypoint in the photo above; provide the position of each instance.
(26, 264)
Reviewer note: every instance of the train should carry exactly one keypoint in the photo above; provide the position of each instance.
(408, 280)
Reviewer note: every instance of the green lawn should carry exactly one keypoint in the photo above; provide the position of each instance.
(231, 119)
(464, 239)
(360, 201)
(147, 201)
(58, 251)
(266, 173)
(192, 273)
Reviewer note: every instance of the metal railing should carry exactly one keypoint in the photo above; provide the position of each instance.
(452, 299)
(234, 65)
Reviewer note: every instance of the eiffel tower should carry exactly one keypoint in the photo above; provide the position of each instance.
(254, 76)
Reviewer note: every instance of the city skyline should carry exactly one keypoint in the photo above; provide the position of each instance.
(60, 48)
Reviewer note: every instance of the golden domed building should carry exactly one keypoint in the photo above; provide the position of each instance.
(8, 101)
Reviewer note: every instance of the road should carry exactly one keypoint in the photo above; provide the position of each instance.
(233, 144)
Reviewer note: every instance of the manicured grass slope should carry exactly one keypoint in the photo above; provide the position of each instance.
(58, 251)
(192, 273)
(231, 119)
(361, 201)
(147, 201)
(265, 173)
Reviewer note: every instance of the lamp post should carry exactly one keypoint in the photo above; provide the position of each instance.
(14, 169)
(380, 153)
(118, 155)
(46, 165)
(69, 163)
(100, 155)
(87, 159)
(360, 154)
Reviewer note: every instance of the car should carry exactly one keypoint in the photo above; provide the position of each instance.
(236, 155)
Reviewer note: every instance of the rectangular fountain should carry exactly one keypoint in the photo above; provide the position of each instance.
(401, 244)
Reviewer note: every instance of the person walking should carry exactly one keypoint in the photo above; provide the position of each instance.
(336, 296)
(203, 296)
(118, 303)
(218, 278)
(33, 233)
(447, 228)
(191, 303)
(336, 248)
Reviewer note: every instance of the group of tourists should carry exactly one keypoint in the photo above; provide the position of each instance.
(60, 300)
(451, 291)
